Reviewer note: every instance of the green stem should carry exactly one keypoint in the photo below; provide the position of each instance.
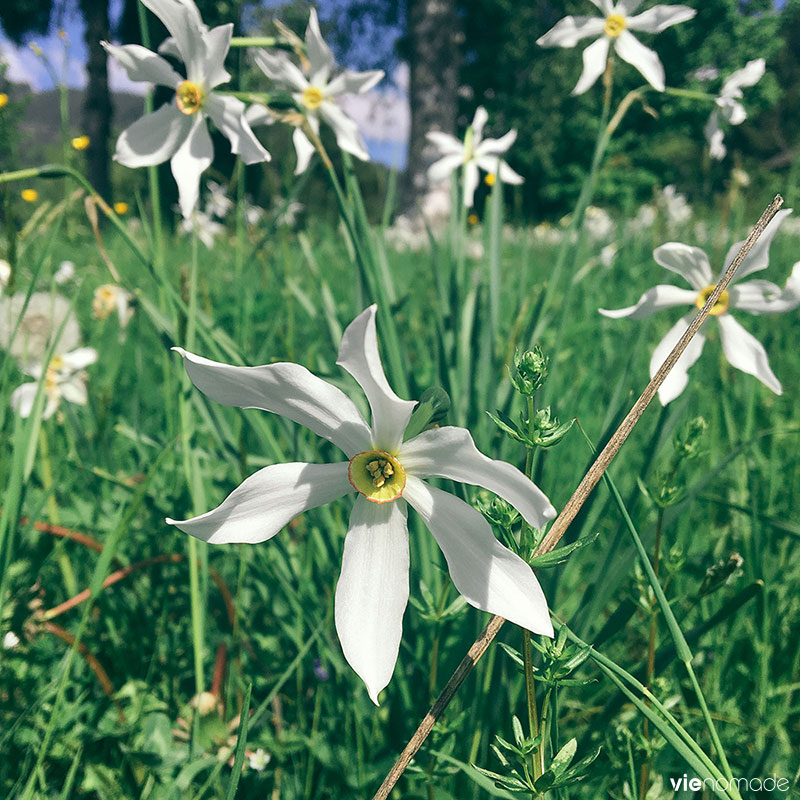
(537, 757)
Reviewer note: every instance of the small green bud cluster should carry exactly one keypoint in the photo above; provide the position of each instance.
(498, 511)
(529, 371)
(687, 442)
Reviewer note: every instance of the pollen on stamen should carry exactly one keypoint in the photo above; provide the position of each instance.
(615, 25)
(720, 307)
(377, 475)
(189, 97)
(312, 98)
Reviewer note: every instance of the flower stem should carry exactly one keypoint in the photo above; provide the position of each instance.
(537, 756)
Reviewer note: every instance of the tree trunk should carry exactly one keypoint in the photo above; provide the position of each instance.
(433, 41)
(97, 108)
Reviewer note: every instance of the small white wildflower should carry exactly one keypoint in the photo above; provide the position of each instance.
(259, 760)
(64, 273)
(10, 641)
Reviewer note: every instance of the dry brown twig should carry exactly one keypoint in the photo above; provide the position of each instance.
(573, 506)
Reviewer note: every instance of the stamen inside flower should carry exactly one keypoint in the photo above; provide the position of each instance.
(377, 475)
(720, 307)
(490, 179)
(615, 24)
(104, 302)
(51, 373)
(189, 97)
(312, 98)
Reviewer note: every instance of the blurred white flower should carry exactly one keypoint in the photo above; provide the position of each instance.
(615, 27)
(5, 274)
(436, 205)
(205, 228)
(644, 219)
(705, 74)
(546, 233)
(64, 273)
(471, 155)
(316, 93)
(39, 326)
(475, 249)
(597, 223)
(729, 106)
(386, 474)
(741, 348)
(108, 298)
(289, 215)
(178, 131)
(64, 378)
(10, 641)
(217, 201)
(407, 233)
(675, 206)
(259, 760)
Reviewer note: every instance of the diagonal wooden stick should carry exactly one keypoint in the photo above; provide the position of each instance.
(573, 505)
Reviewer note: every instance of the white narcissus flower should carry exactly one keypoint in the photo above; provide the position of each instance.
(178, 131)
(64, 378)
(108, 298)
(741, 348)
(46, 316)
(472, 154)
(316, 93)
(729, 106)
(615, 27)
(386, 474)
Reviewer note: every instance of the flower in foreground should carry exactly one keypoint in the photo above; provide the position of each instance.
(473, 154)
(64, 378)
(178, 131)
(386, 474)
(316, 93)
(741, 348)
(729, 107)
(615, 27)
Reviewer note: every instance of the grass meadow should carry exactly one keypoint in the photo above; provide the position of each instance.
(121, 714)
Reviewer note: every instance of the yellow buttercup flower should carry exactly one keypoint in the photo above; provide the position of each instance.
(472, 219)
(81, 142)
(29, 195)
(3, 99)
(121, 208)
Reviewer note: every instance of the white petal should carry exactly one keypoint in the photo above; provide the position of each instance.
(676, 380)
(279, 67)
(715, 137)
(746, 353)
(267, 501)
(661, 296)
(471, 180)
(450, 452)
(304, 149)
(346, 130)
(184, 26)
(627, 7)
(659, 18)
(319, 54)
(446, 143)
(594, 62)
(749, 75)
(349, 82)
(22, 399)
(606, 6)
(733, 111)
(443, 168)
(80, 358)
(191, 159)
(372, 592)
(764, 297)
(487, 574)
(496, 147)
(358, 354)
(758, 257)
(508, 175)
(286, 389)
(142, 64)
(73, 390)
(570, 30)
(257, 114)
(217, 43)
(478, 123)
(689, 262)
(154, 138)
(228, 115)
(630, 49)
